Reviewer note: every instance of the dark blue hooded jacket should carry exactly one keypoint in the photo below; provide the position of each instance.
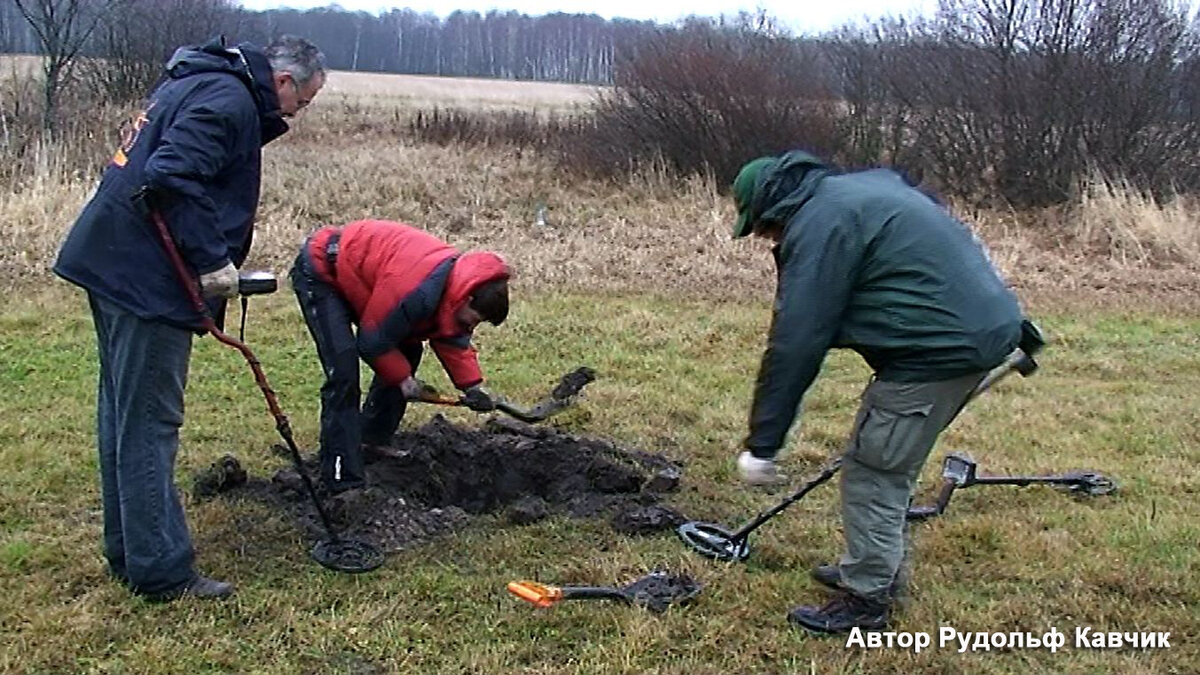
(197, 146)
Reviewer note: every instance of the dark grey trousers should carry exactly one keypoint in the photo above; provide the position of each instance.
(139, 410)
(896, 427)
(343, 428)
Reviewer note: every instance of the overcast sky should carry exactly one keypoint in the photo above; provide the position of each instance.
(799, 15)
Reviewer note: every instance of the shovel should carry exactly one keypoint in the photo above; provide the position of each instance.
(562, 396)
(655, 591)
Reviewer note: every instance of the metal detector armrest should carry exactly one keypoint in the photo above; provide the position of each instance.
(1030, 344)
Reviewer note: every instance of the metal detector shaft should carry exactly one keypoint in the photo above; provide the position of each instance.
(1024, 480)
(827, 473)
(1018, 360)
(281, 421)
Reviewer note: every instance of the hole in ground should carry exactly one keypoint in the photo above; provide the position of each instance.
(433, 479)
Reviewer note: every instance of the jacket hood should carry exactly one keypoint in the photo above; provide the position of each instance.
(470, 271)
(786, 185)
(246, 62)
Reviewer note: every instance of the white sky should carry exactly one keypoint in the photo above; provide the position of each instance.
(802, 16)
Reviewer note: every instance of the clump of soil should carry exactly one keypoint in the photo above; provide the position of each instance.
(224, 475)
(572, 383)
(433, 479)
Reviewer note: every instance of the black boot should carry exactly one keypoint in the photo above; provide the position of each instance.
(844, 612)
(199, 587)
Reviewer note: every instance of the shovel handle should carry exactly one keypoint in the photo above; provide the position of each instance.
(539, 595)
(440, 400)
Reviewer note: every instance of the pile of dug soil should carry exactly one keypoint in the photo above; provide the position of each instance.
(431, 480)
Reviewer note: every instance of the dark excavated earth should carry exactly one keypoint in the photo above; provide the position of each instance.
(431, 480)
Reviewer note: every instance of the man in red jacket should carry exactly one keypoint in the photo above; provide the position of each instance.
(400, 286)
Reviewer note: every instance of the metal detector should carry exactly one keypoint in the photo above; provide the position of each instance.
(342, 555)
(960, 471)
(716, 542)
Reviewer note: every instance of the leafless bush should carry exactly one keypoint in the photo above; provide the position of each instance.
(1015, 102)
(522, 128)
(86, 132)
(703, 99)
(138, 36)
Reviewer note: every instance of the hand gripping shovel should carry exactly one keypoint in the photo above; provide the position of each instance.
(655, 591)
(342, 555)
(716, 542)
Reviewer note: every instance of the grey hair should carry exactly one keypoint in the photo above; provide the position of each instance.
(295, 55)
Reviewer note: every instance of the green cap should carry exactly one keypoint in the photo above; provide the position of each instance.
(743, 193)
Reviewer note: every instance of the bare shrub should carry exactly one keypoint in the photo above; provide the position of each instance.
(85, 136)
(1013, 102)
(521, 128)
(137, 37)
(703, 99)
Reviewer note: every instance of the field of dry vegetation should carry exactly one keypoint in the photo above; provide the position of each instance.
(349, 157)
(638, 277)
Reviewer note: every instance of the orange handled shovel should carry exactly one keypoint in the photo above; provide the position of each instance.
(655, 592)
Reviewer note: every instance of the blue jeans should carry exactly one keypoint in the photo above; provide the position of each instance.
(343, 427)
(139, 409)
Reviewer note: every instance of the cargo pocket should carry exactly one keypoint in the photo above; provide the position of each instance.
(892, 436)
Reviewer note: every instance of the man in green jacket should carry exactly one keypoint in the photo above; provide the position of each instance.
(869, 263)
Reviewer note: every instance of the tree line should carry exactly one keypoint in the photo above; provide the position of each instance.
(579, 48)
(1008, 100)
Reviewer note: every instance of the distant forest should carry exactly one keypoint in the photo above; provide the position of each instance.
(579, 48)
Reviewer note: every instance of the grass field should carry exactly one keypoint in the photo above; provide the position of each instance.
(1115, 394)
(639, 280)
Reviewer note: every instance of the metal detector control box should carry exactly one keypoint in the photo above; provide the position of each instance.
(958, 468)
(256, 283)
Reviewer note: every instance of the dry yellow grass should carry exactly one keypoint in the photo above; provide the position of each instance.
(346, 161)
(381, 89)
(1130, 226)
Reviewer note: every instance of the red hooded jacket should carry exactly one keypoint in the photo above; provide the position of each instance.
(405, 285)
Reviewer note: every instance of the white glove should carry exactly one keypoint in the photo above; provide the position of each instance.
(414, 389)
(757, 471)
(222, 283)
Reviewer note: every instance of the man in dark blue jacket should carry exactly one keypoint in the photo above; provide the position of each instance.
(195, 149)
(869, 263)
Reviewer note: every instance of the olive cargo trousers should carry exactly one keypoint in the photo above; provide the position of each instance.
(895, 429)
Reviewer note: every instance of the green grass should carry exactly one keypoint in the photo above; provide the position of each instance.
(1116, 394)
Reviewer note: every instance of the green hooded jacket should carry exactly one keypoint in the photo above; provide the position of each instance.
(869, 263)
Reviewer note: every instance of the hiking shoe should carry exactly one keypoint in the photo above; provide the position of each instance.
(199, 587)
(758, 471)
(841, 614)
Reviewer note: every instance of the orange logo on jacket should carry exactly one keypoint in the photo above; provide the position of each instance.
(130, 131)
